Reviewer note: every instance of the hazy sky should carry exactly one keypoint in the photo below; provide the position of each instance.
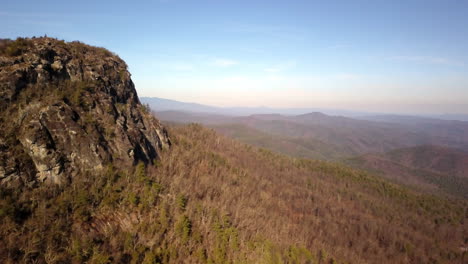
(391, 56)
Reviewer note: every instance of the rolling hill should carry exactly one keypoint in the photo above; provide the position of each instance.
(296, 147)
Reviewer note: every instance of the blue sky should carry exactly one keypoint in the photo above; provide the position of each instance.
(387, 56)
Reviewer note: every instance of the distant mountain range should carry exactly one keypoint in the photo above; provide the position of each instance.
(161, 104)
(348, 136)
(425, 152)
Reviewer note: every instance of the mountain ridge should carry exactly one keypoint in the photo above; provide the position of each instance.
(162, 104)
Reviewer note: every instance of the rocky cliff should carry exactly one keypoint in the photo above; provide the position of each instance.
(69, 108)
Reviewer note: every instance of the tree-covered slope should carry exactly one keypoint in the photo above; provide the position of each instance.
(432, 168)
(214, 200)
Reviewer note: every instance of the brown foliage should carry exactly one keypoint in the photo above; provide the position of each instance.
(215, 200)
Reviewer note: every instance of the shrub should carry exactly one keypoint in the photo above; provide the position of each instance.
(14, 48)
(184, 228)
(99, 258)
(181, 202)
(140, 173)
(146, 108)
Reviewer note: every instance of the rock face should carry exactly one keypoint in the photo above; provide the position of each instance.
(68, 108)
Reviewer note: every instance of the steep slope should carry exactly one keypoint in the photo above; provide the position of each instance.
(67, 108)
(428, 167)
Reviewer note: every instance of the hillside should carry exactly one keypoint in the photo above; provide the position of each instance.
(199, 198)
(427, 167)
(433, 158)
(214, 199)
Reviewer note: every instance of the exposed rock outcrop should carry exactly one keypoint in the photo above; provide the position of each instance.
(68, 108)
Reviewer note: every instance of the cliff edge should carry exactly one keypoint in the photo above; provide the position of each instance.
(69, 108)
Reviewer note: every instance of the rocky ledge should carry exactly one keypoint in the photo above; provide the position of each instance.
(69, 108)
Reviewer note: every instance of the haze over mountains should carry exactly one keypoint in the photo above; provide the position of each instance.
(162, 104)
(353, 135)
(364, 142)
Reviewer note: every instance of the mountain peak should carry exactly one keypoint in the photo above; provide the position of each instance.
(313, 114)
(69, 108)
